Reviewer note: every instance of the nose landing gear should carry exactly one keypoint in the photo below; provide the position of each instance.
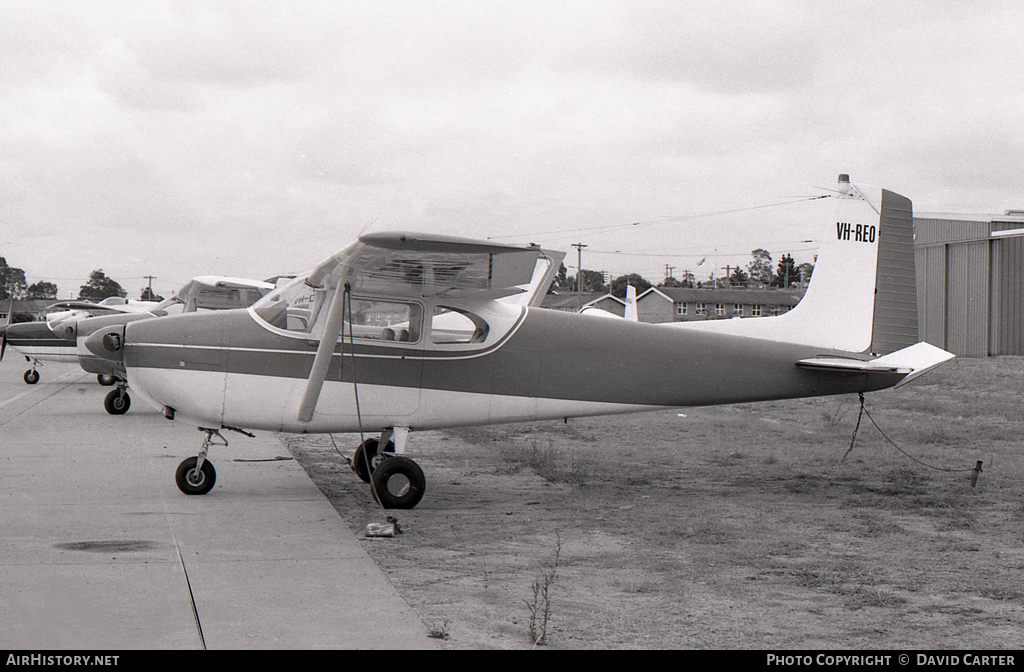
(117, 401)
(196, 475)
(32, 376)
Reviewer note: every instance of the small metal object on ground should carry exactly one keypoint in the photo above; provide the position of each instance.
(388, 529)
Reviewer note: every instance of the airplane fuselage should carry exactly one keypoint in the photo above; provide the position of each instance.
(229, 368)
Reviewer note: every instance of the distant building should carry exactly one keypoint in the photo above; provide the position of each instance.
(970, 282)
(680, 304)
(609, 303)
(35, 308)
(570, 301)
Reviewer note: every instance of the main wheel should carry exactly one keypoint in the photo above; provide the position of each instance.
(31, 376)
(117, 403)
(367, 450)
(398, 483)
(105, 380)
(194, 481)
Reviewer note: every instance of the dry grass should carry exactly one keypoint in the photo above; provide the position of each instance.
(733, 527)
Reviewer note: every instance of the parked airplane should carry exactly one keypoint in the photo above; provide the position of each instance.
(39, 341)
(208, 292)
(402, 332)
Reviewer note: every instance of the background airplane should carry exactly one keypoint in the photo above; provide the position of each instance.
(203, 293)
(402, 332)
(40, 341)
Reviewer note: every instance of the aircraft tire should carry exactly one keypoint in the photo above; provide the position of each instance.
(192, 483)
(368, 448)
(398, 483)
(105, 380)
(31, 376)
(116, 403)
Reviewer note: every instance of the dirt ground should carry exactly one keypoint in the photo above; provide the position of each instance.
(740, 527)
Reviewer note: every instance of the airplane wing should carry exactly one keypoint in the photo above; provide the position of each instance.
(414, 264)
(225, 282)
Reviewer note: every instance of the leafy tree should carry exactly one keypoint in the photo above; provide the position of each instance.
(593, 281)
(739, 278)
(786, 275)
(12, 281)
(760, 268)
(150, 295)
(618, 287)
(561, 281)
(805, 269)
(41, 290)
(100, 287)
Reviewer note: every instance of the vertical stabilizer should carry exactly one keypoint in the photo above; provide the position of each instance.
(895, 313)
(862, 293)
(630, 311)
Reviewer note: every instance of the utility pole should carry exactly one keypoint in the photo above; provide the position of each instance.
(149, 296)
(579, 273)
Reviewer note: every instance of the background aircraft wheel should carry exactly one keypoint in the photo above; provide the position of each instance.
(368, 449)
(105, 380)
(31, 376)
(116, 403)
(398, 483)
(193, 482)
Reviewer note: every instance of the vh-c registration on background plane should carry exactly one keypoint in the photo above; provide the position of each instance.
(402, 332)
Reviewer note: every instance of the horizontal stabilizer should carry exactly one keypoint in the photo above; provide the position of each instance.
(912, 361)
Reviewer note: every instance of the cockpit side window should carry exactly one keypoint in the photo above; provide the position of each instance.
(302, 309)
(292, 307)
(383, 321)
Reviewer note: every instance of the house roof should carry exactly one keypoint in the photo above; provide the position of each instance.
(767, 297)
(570, 300)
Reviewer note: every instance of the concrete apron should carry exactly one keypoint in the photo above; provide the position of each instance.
(100, 550)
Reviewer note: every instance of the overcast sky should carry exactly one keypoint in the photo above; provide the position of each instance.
(176, 139)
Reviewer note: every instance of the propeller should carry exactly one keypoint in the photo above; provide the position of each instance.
(324, 352)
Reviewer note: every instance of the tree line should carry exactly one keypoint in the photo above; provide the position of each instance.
(760, 272)
(14, 286)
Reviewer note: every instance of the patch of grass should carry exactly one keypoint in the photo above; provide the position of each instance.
(861, 597)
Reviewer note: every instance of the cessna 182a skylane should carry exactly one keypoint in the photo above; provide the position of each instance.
(402, 332)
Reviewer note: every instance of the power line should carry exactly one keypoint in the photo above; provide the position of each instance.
(594, 230)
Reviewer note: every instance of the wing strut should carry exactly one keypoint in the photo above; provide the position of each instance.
(324, 352)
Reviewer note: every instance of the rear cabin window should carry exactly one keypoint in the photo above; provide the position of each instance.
(449, 325)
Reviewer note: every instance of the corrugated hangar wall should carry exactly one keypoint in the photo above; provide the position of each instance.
(969, 285)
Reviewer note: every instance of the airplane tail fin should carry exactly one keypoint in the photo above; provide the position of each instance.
(862, 296)
(630, 312)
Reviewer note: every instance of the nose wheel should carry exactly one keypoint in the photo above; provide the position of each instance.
(196, 475)
(117, 402)
(31, 376)
(194, 478)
